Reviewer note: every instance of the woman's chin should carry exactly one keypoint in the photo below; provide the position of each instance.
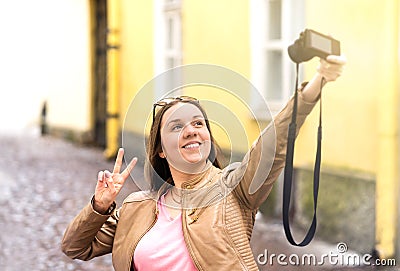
(192, 165)
(195, 160)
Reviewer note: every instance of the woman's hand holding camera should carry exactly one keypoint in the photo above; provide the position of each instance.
(331, 67)
(109, 184)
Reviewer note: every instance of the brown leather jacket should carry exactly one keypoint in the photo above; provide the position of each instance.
(217, 235)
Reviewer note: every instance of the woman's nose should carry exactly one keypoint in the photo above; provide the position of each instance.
(189, 130)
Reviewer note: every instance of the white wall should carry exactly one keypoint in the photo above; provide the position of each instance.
(44, 55)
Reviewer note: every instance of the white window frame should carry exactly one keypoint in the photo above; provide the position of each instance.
(292, 23)
(163, 11)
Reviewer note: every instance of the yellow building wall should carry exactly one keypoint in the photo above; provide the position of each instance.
(228, 45)
(388, 128)
(136, 53)
(217, 32)
(350, 139)
(350, 105)
(360, 110)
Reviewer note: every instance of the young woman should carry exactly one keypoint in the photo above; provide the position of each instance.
(196, 215)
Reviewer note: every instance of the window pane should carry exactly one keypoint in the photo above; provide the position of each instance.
(170, 62)
(170, 33)
(274, 75)
(274, 19)
(173, 77)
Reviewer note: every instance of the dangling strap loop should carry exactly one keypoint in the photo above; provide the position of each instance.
(288, 173)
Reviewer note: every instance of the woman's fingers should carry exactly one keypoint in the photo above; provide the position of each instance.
(101, 182)
(341, 60)
(118, 165)
(100, 176)
(332, 67)
(107, 176)
(129, 168)
(111, 183)
(118, 161)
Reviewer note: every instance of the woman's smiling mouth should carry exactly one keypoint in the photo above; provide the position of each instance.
(192, 145)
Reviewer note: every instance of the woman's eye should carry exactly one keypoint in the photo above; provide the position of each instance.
(176, 127)
(198, 123)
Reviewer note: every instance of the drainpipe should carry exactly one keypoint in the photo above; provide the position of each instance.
(113, 114)
(387, 186)
(387, 183)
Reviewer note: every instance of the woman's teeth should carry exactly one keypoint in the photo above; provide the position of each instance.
(190, 146)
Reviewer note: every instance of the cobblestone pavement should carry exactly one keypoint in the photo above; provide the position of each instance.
(44, 182)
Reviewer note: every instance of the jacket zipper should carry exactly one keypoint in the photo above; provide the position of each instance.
(184, 230)
(189, 247)
(141, 236)
(202, 209)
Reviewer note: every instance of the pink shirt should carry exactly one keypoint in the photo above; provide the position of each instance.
(163, 247)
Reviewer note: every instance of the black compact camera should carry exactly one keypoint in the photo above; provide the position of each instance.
(311, 44)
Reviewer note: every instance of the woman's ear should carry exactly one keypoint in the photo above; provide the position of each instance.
(161, 154)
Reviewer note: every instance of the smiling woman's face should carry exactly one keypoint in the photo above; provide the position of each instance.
(185, 139)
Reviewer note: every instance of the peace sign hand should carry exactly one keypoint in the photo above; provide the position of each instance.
(110, 184)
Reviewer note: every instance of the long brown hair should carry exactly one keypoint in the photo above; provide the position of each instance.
(157, 168)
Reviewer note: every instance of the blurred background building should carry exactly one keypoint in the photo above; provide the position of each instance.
(87, 60)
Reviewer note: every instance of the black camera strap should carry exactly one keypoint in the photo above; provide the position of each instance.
(287, 185)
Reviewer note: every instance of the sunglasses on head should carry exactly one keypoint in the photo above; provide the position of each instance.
(165, 101)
